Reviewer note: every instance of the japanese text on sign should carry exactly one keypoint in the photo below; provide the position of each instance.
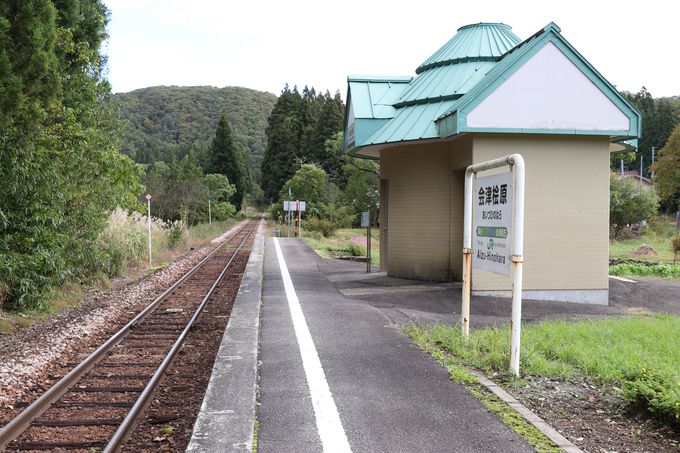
(492, 220)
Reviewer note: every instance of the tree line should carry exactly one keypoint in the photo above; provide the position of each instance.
(304, 157)
(60, 168)
(62, 174)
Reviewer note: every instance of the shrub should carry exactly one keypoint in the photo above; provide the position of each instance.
(223, 210)
(655, 393)
(661, 225)
(177, 234)
(675, 245)
(629, 203)
(323, 226)
(356, 249)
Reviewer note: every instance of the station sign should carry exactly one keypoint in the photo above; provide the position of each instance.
(491, 228)
(294, 205)
(365, 221)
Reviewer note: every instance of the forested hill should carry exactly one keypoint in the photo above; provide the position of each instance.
(166, 121)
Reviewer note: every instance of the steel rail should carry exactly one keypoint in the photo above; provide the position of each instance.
(21, 422)
(128, 424)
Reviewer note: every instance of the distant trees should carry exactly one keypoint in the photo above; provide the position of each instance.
(228, 159)
(165, 123)
(667, 168)
(298, 128)
(659, 117)
(60, 169)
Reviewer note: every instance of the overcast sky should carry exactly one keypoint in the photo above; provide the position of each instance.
(263, 44)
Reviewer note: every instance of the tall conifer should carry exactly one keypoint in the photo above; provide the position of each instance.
(226, 159)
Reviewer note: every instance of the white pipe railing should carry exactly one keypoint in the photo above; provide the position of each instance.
(516, 163)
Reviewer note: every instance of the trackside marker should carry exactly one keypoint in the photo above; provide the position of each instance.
(328, 422)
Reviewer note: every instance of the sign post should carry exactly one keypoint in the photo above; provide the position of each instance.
(366, 223)
(498, 231)
(148, 216)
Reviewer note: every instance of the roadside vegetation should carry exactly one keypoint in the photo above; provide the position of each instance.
(72, 205)
(639, 355)
(346, 242)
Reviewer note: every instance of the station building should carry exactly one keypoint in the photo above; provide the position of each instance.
(483, 95)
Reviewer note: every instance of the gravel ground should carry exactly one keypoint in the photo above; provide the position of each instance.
(26, 356)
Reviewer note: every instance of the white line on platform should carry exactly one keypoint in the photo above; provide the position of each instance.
(328, 422)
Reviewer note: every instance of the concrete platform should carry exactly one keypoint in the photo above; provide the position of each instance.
(387, 395)
(226, 421)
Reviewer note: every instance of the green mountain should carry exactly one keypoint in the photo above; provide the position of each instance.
(165, 122)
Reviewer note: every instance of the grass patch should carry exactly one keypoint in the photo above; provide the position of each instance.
(345, 242)
(640, 354)
(459, 373)
(660, 242)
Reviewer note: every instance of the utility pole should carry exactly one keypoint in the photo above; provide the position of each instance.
(622, 168)
(148, 216)
(642, 159)
(209, 210)
(653, 158)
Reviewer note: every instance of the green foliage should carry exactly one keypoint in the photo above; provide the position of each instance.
(642, 354)
(323, 226)
(165, 123)
(675, 245)
(223, 210)
(363, 184)
(227, 159)
(299, 127)
(308, 183)
(659, 117)
(218, 187)
(629, 203)
(667, 168)
(657, 393)
(177, 235)
(645, 270)
(60, 167)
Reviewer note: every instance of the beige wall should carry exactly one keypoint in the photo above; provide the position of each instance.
(566, 227)
(567, 208)
(421, 227)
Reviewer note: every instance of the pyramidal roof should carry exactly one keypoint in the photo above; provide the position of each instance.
(474, 41)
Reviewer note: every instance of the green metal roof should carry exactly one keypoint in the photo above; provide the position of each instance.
(374, 97)
(460, 74)
(474, 42)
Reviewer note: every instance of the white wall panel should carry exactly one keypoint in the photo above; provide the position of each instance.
(548, 92)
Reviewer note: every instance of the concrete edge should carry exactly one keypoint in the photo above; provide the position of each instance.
(227, 417)
(550, 432)
(577, 296)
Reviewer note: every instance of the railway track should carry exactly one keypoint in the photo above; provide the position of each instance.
(97, 405)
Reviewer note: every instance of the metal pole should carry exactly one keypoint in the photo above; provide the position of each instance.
(517, 163)
(148, 216)
(622, 168)
(653, 158)
(368, 244)
(642, 159)
(209, 212)
(467, 253)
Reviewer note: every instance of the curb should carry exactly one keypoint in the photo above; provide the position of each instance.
(226, 421)
(550, 432)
